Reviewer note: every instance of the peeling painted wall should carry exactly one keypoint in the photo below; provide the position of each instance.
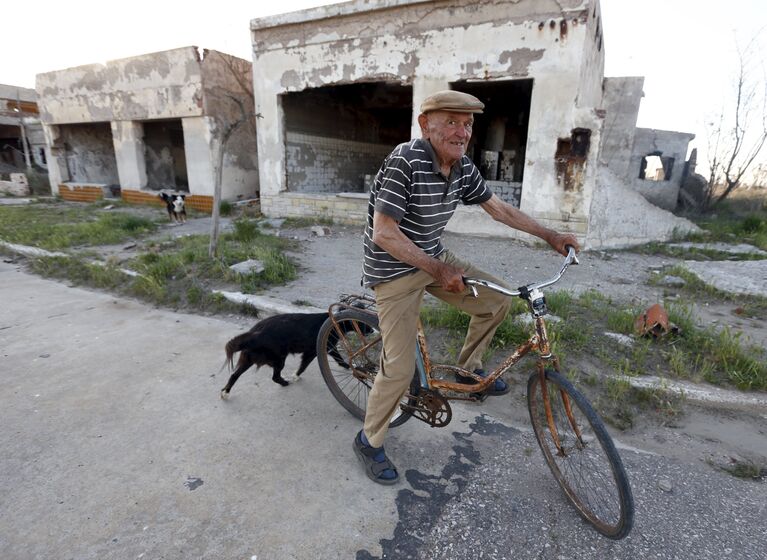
(431, 44)
(226, 78)
(89, 153)
(621, 106)
(186, 84)
(322, 164)
(153, 86)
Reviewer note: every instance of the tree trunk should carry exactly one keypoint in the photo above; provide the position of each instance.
(213, 247)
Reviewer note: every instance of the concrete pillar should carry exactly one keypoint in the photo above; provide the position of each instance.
(128, 140)
(57, 157)
(270, 138)
(423, 87)
(199, 144)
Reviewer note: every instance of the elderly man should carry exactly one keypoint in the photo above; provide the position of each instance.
(415, 193)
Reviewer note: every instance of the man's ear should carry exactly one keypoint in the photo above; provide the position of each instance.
(423, 122)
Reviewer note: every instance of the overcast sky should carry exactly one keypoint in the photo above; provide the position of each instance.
(684, 48)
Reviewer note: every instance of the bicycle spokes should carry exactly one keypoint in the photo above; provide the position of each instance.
(580, 453)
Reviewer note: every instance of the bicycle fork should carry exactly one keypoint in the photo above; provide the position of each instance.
(545, 356)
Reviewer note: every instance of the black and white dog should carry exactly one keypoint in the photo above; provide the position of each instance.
(175, 204)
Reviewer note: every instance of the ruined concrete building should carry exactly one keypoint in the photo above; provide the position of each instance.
(339, 86)
(149, 123)
(21, 135)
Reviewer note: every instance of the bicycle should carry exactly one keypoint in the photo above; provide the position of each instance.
(574, 441)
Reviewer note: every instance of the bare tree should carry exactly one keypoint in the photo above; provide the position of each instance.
(736, 139)
(226, 126)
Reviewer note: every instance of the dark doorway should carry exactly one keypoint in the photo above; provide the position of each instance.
(500, 133)
(90, 153)
(336, 137)
(165, 156)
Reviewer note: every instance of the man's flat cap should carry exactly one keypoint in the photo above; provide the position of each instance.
(449, 100)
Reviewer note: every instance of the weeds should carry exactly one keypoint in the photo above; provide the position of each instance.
(746, 470)
(716, 356)
(62, 226)
(179, 273)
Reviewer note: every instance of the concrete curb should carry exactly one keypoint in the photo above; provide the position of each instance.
(272, 306)
(35, 252)
(30, 251)
(700, 393)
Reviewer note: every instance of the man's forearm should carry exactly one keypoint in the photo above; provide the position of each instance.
(402, 248)
(506, 214)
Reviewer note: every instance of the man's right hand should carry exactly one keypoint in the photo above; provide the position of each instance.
(449, 277)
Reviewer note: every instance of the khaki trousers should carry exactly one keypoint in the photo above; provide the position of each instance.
(398, 302)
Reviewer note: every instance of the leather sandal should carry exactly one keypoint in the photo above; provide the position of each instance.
(500, 387)
(373, 468)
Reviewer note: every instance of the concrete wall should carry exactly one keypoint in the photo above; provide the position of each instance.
(323, 164)
(671, 144)
(226, 77)
(621, 217)
(89, 153)
(430, 44)
(621, 100)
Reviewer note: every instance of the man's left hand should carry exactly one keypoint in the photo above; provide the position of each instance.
(560, 242)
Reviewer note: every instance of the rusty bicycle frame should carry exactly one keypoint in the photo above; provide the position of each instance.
(428, 400)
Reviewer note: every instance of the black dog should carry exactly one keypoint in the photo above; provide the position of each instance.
(175, 204)
(270, 342)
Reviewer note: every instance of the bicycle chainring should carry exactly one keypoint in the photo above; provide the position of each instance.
(430, 407)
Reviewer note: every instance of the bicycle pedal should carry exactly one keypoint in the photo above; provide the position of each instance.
(479, 397)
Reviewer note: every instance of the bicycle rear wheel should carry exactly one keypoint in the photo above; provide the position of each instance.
(586, 466)
(349, 356)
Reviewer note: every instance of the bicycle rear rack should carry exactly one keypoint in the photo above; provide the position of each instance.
(365, 303)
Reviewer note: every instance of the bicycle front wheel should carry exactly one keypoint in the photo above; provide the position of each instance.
(586, 463)
(349, 353)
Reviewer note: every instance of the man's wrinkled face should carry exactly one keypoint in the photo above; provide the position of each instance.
(448, 132)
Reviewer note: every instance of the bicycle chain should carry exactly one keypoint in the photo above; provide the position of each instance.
(430, 407)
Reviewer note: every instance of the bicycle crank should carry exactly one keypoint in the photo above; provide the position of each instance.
(430, 407)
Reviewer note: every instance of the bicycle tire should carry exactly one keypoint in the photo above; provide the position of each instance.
(592, 476)
(351, 387)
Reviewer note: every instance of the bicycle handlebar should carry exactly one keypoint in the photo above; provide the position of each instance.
(571, 258)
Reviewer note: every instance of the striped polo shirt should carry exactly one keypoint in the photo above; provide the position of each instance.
(410, 188)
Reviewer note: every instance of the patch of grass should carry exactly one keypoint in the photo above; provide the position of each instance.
(179, 273)
(60, 226)
(695, 253)
(79, 272)
(296, 223)
(746, 470)
(225, 208)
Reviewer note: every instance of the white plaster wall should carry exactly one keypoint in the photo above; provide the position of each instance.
(199, 146)
(238, 181)
(621, 100)
(152, 86)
